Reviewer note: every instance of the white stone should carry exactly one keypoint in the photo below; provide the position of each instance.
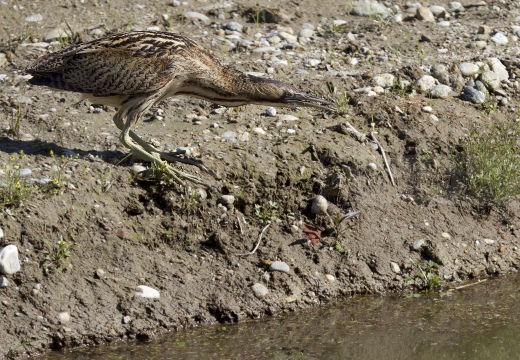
(147, 292)
(3, 282)
(136, 168)
(372, 166)
(427, 109)
(330, 277)
(279, 266)
(468, 68)
(384, 80)
(259, 131)
(370, 9)
(489, 241)
(1, 233)
(455, 6)
(437, 10)
(193, 15)
(288, 37)
(64, 317)
(425, 83)
(9, 263)
(395, 267)
(270, 111)
(319, 205)
(259, 290)
(312, 62)
(306, 33)
(440, 91)
(498, 68)
(445, 235)
(287, 117)
(34, 18)
(499, 39)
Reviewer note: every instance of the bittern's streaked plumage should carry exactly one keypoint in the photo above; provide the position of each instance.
(133, 71)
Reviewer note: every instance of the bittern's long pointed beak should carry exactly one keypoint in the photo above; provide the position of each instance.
(306, 100)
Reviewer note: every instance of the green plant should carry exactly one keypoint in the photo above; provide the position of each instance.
(342, 102)
(489, 105)
(490, 162)
(59, 164)
(339, 246)
(14, 188)
(266, 214)
(58, 257)
(426, 274)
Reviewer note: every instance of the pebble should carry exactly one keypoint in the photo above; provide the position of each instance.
(440, 91)
(64, 317)
(424, 14)
(372, 166)
(468, 68)
(34, 18)
(127, 319)
(279, 266)
(418, 244)
(484, 29)
(56, 34)
(1, 233)
(499, 39)
(24, 100)
(440, 72)
(455, 6)
(425, 83)
(489, 241)
(370, 9)
(147, 292)
(445, 235)
(234, 26)
(260, 290)
(193, 15)
(226, 200)
(100, 273)
(330, 277)
(312, 62)
(287, 118)
(259, 131)
(306, 33)
(384, 80)
(230, 136)
(270, 111)
(288, 37)
(438, 11)
(473, 95)
(490, 80)
(395, 267)
(3, 282)
(427, 109)
(499, 69)
(9, 263)
(319, 205)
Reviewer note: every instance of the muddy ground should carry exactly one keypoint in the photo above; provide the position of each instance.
(129, 230)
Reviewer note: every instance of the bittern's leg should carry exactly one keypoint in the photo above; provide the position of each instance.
(149, 148)
(154, 158)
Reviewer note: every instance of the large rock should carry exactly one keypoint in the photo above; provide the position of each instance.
(9, 263)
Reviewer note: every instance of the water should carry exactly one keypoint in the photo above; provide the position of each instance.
(477, 322)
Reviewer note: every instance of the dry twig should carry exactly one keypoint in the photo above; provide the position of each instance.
(384, 158)
(258, 243)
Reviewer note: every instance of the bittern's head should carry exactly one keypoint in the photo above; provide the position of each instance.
(268, 92)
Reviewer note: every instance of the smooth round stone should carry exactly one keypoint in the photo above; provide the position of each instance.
(147, 292)
(319, 205)
(3, 282)
(100, 273)
(1, 233)
(425, 83)
(259, 290)
(437, 10)
(291, 131)
(444, 23)
(136, 168)
(440, 91)
(372, 166)
(330, 277)
(499, 69)
(44, 181)
(370, 8)
(489, 241)
(468, 68)
(234, 26)
(455, 6)
(473, 95)
(279, 266)
(427, 109)
(9, 263)
(288, 37)
(424, 14)
(270, 111)
(445, 235)
(306, 33)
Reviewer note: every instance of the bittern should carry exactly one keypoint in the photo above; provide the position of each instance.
(133, 71)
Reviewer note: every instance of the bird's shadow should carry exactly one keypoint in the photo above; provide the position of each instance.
(41, 147)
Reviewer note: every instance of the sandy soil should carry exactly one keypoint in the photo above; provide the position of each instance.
(184, 242)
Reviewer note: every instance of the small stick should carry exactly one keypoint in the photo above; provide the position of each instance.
(240, 225)
(384, 158)
(258, 243)
(472, 284)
